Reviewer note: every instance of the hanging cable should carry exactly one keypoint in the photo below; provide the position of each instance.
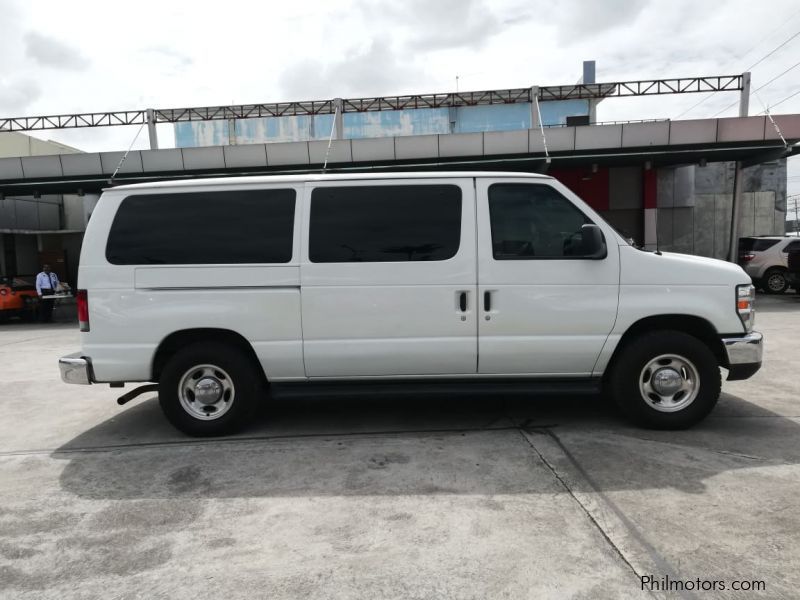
(774, 124)
(789, 97)
(124, 156)
(330, 139)
(758, 62)
(766, 56)
(541, 128)
(761, 87)
(769, 35)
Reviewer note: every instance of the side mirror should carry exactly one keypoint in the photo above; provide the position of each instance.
(593, 244)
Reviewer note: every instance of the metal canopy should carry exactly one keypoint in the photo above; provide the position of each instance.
(585, 91)
(536, 163)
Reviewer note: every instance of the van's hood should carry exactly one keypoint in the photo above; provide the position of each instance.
(671, 268)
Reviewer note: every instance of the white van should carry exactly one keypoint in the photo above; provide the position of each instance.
(217, 290)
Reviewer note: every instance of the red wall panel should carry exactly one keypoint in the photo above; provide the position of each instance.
(591, 187)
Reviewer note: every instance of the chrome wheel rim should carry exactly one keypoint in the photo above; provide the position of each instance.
(776, 282)
(206, 392)
(669, 383)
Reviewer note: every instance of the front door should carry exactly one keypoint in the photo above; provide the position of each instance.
(389, 278)
(544, 309)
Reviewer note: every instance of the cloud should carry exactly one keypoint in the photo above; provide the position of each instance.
(50, 52)
(578, 19)
(170, 55)
(375, 68)
(17, 95)
(404, 34)
(439, 25)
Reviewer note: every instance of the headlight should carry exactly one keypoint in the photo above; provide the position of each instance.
(745, 300)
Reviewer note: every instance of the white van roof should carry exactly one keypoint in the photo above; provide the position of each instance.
(271, 179)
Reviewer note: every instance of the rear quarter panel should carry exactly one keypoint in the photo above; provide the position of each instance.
(132, 308)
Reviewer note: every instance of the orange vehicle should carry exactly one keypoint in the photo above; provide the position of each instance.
(18, 297)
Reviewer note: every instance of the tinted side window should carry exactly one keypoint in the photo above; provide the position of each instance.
(792, 247)
(250, 226)
(532, 221)
(761, 245)
(388, 223)
(755, 244)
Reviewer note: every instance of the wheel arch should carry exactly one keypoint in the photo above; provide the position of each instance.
(693, 325)
(779, 268)
(180, 339)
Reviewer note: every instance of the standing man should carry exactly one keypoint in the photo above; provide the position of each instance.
(46, 284)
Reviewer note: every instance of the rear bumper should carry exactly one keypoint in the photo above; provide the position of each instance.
(754, 271)
(76, 369)
(743, 355)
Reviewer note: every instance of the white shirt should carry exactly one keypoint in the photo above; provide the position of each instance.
(45, 282)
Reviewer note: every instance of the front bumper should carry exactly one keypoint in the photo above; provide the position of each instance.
(743, 355)
(76, 369)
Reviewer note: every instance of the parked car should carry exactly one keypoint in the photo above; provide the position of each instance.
(793, 268)
(219, 290)
(18, 297)
(764, 259)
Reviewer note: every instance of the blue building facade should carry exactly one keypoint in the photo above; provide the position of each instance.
(420, 121)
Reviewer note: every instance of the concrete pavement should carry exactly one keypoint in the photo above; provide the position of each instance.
(406, 497)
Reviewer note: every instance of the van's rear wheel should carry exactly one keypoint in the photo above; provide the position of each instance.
(665, 380)
(209, 389)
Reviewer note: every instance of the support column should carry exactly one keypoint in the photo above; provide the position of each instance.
(589, 70)
(744, 96)
(534, 107)
(151, 129)
(738, 180)
(736, 203)
(338, 119)
(231, 132)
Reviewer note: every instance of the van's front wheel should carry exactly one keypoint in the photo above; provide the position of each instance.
(209, 389)
(665, 380)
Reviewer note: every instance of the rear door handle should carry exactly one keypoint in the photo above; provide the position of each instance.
(487, 301)
(462, 301)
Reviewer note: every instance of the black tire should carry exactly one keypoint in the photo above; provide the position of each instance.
(234, 368)
(628, 371)
(774, 281)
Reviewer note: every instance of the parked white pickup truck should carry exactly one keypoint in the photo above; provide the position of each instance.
(217, 290)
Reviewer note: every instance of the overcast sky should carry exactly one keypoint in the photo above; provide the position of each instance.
(62, 57)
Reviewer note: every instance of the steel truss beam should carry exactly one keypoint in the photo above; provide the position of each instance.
(585, 91)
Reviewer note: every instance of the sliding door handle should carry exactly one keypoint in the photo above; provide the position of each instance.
(462, 301)
(487, 301)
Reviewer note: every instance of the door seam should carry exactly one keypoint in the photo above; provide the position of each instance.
(477, 278)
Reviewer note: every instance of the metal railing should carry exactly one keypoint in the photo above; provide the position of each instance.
(585, 91)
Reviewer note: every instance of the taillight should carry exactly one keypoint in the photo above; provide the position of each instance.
(83, 309)
(746, 257)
